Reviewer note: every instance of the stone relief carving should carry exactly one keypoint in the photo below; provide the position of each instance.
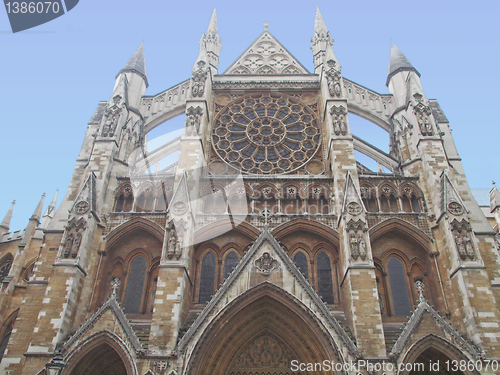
(266, 56)
(74, 230)
(198, 79)
(265, 263)
(111, 115)
(354, 208)
(423, 115)
(357, 241)
(462, 235)
(174, 249)
(455, 208)
(265, 352)
(333, 79)
(193, 120)
(160, 367)
(339, 120)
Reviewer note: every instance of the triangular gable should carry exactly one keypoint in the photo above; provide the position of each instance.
(353, 204)
(450, 199)
(93, 324)
(412, 325)
(86, 199)
(180, 202)
(266, 55)
(276, 260)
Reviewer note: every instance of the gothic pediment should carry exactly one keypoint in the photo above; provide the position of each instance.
(417, 327)
(85, 202)
(108, 315)
(266, 263)
(451, 202)
(266, 55)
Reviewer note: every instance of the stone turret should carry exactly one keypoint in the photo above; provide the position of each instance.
(5, 225)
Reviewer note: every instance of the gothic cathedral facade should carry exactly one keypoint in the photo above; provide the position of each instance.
(266, 247)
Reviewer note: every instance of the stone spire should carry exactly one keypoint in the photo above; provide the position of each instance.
(49, 213)
(212, 42)
(321, 40)
(398, 63)
(136, 64)
(38, 210)
(5, 225)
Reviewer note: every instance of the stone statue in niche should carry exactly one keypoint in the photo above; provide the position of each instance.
(354, 246)
(171, 244)
(76, 245)
(362, 247)
(463, 240)
(193, 120)
(198, 78)
(469, 249)
(459, 241)
(339, 120)
(111, 115)
(68, 246)
(333, 79)
(423, 114)
(266, 263)
(357, 241)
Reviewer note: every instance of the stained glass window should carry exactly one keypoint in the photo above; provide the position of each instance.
(207, 278)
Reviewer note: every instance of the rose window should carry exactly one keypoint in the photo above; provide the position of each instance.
(266, 134)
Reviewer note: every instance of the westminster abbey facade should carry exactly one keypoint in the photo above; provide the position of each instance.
(266, 247)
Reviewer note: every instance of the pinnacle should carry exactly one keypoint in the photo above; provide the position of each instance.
(137, 64)
(6, 221)
(319, 23)
(398, 62)
(49, 213)
(212, 25)
(38, 210)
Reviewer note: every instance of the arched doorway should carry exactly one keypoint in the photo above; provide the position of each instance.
(102, 354)
(265, 330)
(432, 355)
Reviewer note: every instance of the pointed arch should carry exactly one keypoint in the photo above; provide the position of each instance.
(307, 225)
(223, 226)
(403, 228)
(440, 348)
(263, 311)
(102, 350)
(130, 226)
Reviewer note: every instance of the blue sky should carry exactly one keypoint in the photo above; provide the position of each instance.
(54, 75)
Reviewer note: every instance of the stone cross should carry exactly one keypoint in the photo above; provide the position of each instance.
(115, 284)
(420, 289)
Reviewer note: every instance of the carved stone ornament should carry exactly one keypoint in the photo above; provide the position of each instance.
(111, 116)
(354, 208)
(82, 207)
(160, 367)
(74, 230)
(339, 120)
(357, 241)
(265, 264)
(462, 235)
(193, 120)
(333, 79)
(423, 115)
(455, 208)
(179, 208)
(198, 79)
(174, 248)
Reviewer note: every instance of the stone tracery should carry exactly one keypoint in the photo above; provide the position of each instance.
(266, 133)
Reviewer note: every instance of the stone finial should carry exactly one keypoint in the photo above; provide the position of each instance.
(266, 25)
(398, 62)
(137, 64)
(6, 221)
(420, 289)
(115, 284)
